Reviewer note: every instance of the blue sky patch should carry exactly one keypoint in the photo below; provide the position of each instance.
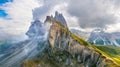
(3, 13)
(4, 1)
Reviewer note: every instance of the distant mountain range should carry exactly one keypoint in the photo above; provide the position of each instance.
(99, 36)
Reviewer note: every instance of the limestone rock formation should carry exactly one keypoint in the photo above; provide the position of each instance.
(67, 50)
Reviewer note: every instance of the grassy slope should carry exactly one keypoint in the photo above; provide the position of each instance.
(113, 52)
(115, 59)
(110, 50)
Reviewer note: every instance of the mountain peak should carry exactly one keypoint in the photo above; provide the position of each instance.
(59, 17)
(35, 29)
(57, 13)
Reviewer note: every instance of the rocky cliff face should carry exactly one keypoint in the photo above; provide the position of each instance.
(59, 17)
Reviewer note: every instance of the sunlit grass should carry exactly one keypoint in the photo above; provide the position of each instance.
(113, 52)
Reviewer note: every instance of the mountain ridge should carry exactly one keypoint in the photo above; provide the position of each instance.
(60, 38)
(84, 42)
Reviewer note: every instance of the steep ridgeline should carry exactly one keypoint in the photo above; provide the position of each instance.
(67, 50)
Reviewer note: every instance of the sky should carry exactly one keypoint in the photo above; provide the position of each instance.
(17, 15)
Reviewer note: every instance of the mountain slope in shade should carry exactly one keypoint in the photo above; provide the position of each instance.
(16, 53)
(98, 36)
(13, 55)
(67, 50)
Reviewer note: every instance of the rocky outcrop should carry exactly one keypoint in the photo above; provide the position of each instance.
(59, 17)
(67, 50)
(79, 54)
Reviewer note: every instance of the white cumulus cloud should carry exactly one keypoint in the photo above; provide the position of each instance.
(19, 16)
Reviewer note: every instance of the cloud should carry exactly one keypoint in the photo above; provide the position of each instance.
(92, 13)
(47, 8)
(85, 14)
(19, 16)
(4, 36)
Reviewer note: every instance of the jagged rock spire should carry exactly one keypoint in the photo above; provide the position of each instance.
(59, 17)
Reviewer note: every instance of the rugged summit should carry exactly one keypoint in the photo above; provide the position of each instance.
(59, 17)
(35, 29)
(64, 49)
